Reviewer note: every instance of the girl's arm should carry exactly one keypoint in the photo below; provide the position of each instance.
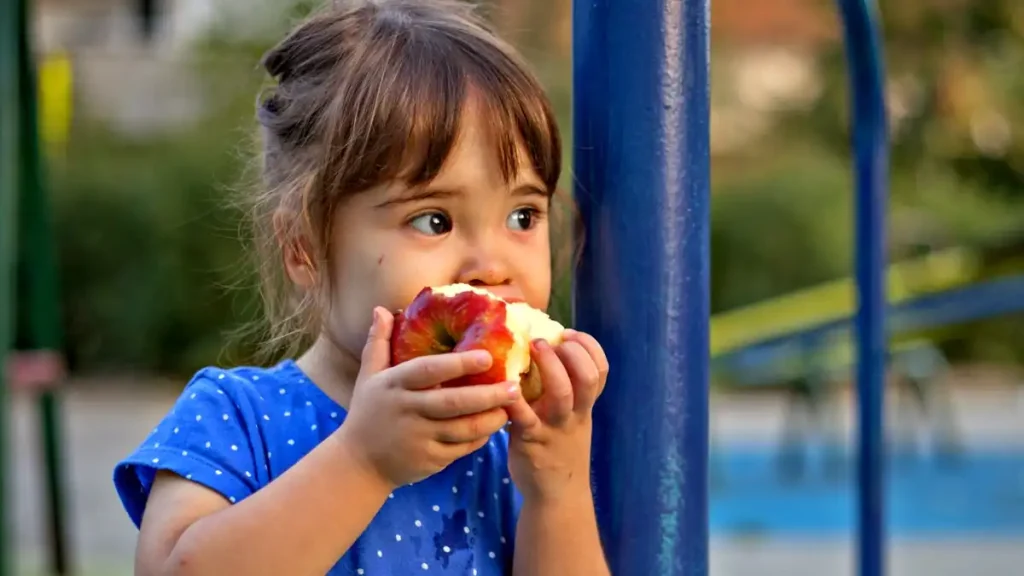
(300, 524)
(559, 538)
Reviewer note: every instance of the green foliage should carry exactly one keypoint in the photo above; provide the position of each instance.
(150, 242)
(149, 250)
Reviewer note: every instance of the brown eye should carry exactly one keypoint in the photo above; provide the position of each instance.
(432, 223)
(522, 219)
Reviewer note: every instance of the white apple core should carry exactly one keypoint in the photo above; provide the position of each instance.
(525, 322)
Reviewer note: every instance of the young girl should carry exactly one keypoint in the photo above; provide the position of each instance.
(404, 146)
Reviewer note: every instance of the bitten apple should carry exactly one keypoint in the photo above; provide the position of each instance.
(460, 317)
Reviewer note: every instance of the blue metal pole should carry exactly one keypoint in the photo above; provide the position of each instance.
(641, 151)
(870, 143)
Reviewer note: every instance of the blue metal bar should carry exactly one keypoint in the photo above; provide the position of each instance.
(641, 150)
(870, 142)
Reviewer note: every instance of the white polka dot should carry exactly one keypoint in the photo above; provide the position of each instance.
(225, 417)
(313, 427)
(281, 391)
(221, 392)
(232, 499)
(255, 378)
(380, 554)
(268, 454)
(398, 537)
(446, 549)
(193, 396)
(455, 489)
(491, 554)
(495, 495)
(418, 524)
(359, 571)
(291, 442)
(504, 480)
(424, 566)
(436, 508)
(479, 459)
(287, 413)
(220, 377)
(265, 417)
(199, 417)
(308, 403)
(247, 474)
(465, 529)
(474, 571)
(334, 414)
(503, 540)
(207, 444)
(155, 460)
(391, 496)
(175, 430)
(184, 452)
(234, 448)
(156, 445)
(480, 513)
(217, 472)
(188, 477)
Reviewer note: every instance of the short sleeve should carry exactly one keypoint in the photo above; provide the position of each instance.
(205, 438)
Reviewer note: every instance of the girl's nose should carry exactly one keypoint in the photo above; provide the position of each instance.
(484, 265)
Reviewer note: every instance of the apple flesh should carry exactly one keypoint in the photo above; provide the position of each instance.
(460, 317)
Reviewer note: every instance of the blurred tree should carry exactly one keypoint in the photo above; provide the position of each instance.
(955, 92)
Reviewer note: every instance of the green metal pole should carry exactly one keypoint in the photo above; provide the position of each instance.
(9, 168)
(38, 322)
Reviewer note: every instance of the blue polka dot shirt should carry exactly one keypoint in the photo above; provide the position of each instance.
(236, 430)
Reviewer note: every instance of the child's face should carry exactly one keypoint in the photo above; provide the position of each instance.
(466, 226)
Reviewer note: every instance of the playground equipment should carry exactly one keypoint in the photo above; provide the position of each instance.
(642, 161)
(29, 303)
(641, 133)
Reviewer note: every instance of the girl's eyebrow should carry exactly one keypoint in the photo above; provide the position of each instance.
(417, 194)
(532, 190)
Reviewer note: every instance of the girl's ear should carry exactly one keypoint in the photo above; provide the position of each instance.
(296, 250)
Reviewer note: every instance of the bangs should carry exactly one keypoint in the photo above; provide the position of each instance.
(399, 116)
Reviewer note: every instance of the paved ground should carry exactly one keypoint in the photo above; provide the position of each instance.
(103, 424)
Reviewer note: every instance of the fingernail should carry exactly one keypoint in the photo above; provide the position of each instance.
(569, 333)
(538, 344)
(513, 391)
(480, 358)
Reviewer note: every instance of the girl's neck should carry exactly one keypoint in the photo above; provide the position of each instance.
(331, 368)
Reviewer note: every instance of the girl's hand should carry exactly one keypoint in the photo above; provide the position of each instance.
(403, 426)
(549, 446)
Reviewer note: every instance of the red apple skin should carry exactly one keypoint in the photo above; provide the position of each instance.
(438, 324)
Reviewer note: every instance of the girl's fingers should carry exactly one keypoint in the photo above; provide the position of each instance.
(472, 428)
(595, 350)
(447, 403)
(522, 417)
(428, 371)
(557, 402)
(583, 374)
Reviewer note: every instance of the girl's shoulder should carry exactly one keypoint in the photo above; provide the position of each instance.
(231, 430)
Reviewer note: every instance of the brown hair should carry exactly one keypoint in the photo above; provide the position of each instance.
(370, 91)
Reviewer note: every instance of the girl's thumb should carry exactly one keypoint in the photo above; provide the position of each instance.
(377, 351)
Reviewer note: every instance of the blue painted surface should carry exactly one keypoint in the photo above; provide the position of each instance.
(980, 494)
(871, 159)
(641, 137)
